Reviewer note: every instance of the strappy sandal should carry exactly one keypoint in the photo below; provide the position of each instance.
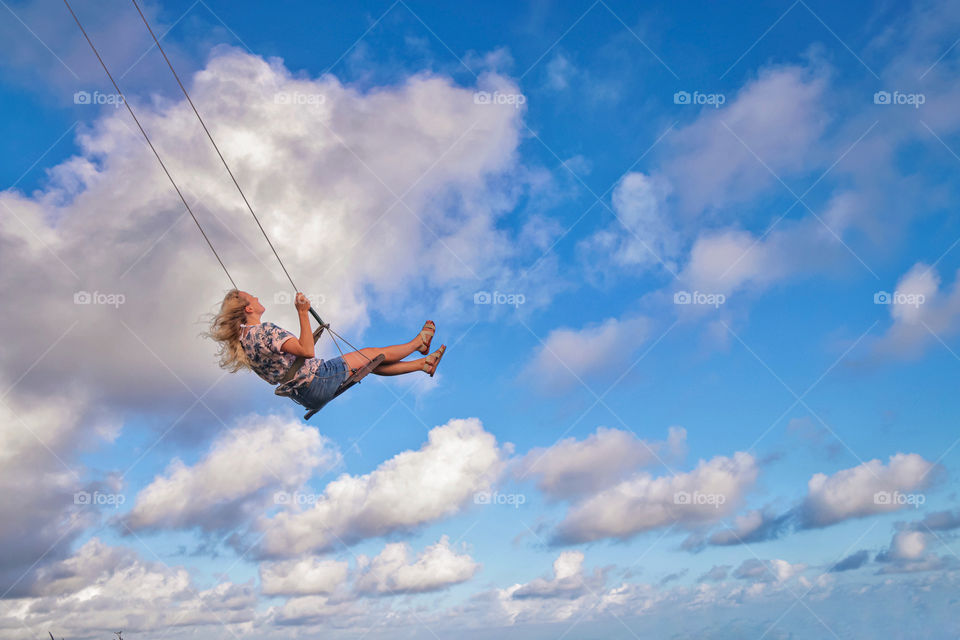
(432, 361)
(426, 336)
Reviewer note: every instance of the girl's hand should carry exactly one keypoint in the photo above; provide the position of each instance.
(301, 303)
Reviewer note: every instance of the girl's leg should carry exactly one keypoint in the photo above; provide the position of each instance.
(393, 353)
(398, 368)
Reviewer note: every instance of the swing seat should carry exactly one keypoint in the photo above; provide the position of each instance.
(355, 378)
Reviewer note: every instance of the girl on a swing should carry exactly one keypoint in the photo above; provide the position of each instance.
(245, 342)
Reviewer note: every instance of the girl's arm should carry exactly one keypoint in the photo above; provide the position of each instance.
(303, 347)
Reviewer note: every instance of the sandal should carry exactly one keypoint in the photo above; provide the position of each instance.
(432, 361)
(426, 336)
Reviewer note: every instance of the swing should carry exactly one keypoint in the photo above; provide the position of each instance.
(356, 375)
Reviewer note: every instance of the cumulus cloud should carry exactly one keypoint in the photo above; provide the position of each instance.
(413, 488)
(767, 570)
(103, 587)
(908, 553)
(778, 116)
(568, 581)
(237, 477)
(302, 576)
(574, 467)
(643, 235)
(392, 571)
(731, 260)
(703, 496)
(320, 174)
(105, 222)
(39, 517)
(569, 356)
(921, 311)
(864, 490)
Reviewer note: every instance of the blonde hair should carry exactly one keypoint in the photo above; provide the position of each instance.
(225, 329)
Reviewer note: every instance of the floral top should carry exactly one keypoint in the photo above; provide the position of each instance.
(262, 342)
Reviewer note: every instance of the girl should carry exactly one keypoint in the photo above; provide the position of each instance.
(246, 342)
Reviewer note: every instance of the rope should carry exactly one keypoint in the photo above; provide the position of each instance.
(219, 153)
(147, 138)
(207, 131)
(226, 166)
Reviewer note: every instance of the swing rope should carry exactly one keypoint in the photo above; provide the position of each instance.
(226, 166)
(150, 144)
(332, 333)
(213, 142)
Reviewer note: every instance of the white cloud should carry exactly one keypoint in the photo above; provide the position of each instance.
(39, 480)
(103, 587)
(237, 477)
(779, 117)
(702, 496)
(908, 553)
(643, 235)
(569, 580)
(908, 545)
(108, 222)
(392, 572)
(412, 488)
(864, 490)
(570, 467)
(922, 311)
(302, 576)
(730, 260)
(767, 570)
(570, 355)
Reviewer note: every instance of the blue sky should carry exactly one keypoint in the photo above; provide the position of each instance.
(595, 196)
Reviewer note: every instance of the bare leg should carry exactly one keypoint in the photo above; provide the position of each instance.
(393, 353)
(398, 368)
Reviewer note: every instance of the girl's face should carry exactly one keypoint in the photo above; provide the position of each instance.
(253, 303)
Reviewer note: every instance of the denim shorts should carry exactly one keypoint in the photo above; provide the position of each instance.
(327, 379)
